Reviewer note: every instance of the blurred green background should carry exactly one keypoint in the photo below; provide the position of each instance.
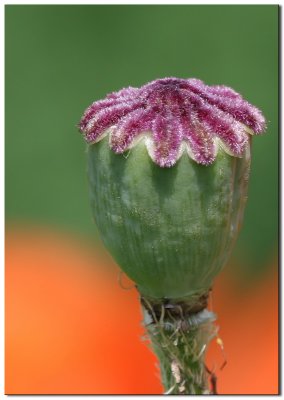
(61, 58)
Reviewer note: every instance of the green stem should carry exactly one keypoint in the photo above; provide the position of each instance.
(180, 343)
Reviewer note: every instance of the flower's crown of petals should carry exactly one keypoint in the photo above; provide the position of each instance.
(174, 115)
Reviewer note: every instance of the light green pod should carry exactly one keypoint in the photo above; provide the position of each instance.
(171, 230)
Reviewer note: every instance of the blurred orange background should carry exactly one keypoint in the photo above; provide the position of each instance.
(71, 328)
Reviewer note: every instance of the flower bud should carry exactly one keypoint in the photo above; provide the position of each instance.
(168, 167)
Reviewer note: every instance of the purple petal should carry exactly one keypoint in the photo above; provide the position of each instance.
(220, 124)
(236, 106)
(175, 110)
(128, 128)
(101, 105)
(217, 123)
(167, 138)
(106, 118)
(202, 147)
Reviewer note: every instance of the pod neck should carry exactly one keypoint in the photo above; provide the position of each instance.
(180, 331)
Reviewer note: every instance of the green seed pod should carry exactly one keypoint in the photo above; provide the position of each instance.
(171, 230)
(168, 168)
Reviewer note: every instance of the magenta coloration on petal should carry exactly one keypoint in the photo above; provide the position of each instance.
(107, 117)
(201, 145)
(128, 128)
(174, 114)
(167, 138)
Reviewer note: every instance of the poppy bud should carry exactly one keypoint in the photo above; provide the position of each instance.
(168, 167)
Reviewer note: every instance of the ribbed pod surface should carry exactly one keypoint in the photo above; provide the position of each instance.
(170, 229)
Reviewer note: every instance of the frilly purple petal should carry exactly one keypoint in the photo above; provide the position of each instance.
(174, 114)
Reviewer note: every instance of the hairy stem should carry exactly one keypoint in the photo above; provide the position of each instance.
(179, 338)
